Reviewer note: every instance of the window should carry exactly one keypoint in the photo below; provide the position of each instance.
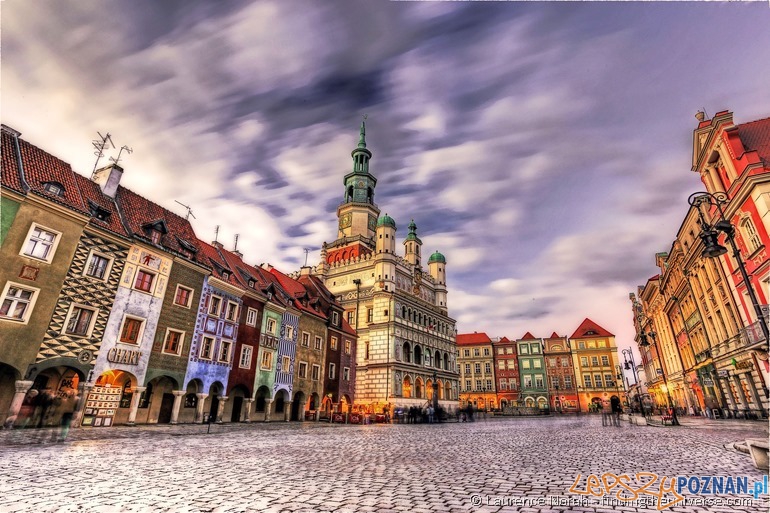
(332, 368)
(598, 380)
(129, 333)
(467, 368)
(467, 384)
(508, 350)
(224, 351)
(333, 343)
(538, 363)
(207, 345)
(608, 381)
(369, 315)
(54, 188)
(155, 236)
(477, 368)
(478, 384)
(80, 321)
(351, 315)
(488, 384)
(183, 296)
(246, 352)
(251, 317)
(285, 364)
(41, 243)
(289, 333)
(17, 302)
(524, 349)
(487, 367)
(503, 384)
(750, 234)
(316, 373)
(527, 381)
(318, 342)
(501, 350)
(584, 361)
(144, 280)
(214, 305)
(467, 353)
(511, 364)
(564, 361)
(554, 382)
(476, 351)
(581, 345)
(594, 361)
(173, 342)
(335, 318)
(539, 381)
(348, 346)
(346, 373)
(535, 349)
(271, 326)
(302, 370)
(525, 364)
(97, 266)
(486, 351)
(552, 362)
(267, 361)
(587, 381)
(605, 360)
(306, 339)
(232, 311)
(501, 364)
(568, 382)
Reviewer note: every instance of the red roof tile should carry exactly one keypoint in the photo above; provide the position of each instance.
(209, 256)
(554, 335)
(756, 136)
(528, 336)
(91, 192)
(298, 291)
(138, 211)
(469, 339)
(589, 329)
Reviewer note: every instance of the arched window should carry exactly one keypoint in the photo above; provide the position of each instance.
(417, 355)
(750, 233)
(446, 361)
(447, 391)
(349, 196)
(418, 388)
(437, 361)
(407, 387)
(403, 312)
(407, 352)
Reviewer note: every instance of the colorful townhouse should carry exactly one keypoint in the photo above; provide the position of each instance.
(477, 374)
(534, 392)
(560, 375)
(506, 365)
(595, 360)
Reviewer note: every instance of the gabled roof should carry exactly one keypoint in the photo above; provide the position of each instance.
(756, 136)
(347, 328)
(555, 335)
(298, 292)
(470, 339)
(209, 255)
(528, 336)
(139, 212)
(589, 329)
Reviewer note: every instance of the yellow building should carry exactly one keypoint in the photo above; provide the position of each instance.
(595, 359)
(477, 371)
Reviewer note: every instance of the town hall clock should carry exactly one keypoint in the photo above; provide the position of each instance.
(346, 220)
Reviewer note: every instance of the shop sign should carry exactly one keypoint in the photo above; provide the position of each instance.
(125, 356)
(723, 374)
(744, 364)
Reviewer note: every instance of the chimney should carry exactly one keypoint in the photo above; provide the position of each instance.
(108, 179)
(305, 270)
(267, 267)
(700, 115)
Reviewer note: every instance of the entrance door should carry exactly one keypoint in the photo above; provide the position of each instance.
(295, 410)
(166, 408)
(237, 405)
(214, 408)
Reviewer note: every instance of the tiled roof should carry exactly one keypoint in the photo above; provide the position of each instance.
(91, 192)
(528, 336)
(554, 335)
(296, 290)
(347, 328)
(9, 170)
(469, 339)
(589, 329)
(209, 255)
(137, 211)
(756, 136)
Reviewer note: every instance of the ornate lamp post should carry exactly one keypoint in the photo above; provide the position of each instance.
(644, 343)
(712, 248)
(628, 363)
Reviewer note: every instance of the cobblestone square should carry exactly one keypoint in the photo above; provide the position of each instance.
(514, 464)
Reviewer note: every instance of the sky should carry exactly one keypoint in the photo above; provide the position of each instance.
(543, 148)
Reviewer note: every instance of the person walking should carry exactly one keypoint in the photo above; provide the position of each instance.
(606, 413)
(68, 407)
(617, 409)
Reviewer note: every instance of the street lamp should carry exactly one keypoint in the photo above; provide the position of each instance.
(712, 249)
(644, 343)
(628, 363)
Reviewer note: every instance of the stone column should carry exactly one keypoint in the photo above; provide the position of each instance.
(178, 395)
(749, 376)
(302, 411)
(22, 387)
(135, 405)
(247, 416)
(221, 409)
(268, 406)
(199, 408)
(83, 390)
(287, 411)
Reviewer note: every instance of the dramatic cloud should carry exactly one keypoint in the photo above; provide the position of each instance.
(544, 148)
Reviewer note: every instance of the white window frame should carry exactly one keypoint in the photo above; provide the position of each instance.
(51, 250)
(348, 346)
(251, 316)
(346, 374)
(289, 332)
(244, 362)
(189, 298)
(234, 317)
(270, 327)
(181, 342)
(91, 322)
(305, 339)
(211, 348)
(285, 363)
(302, 370)
(107, 270)
(334, 343)
(605, 360)
(30, 303)
(335, 318)
(222, 345)
(219, 305)
(138, 335)
(266, 361)
(318, 343)
(154, 283)
(316, 372)
(332, 370)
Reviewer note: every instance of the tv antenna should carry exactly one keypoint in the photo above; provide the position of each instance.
(99, 145)
(307, 250)
(124, 147)
(189, 210)
(235, 247)
(216, 233)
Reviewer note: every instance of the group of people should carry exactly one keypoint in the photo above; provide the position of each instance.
(41, 407)
(415, 414)
(611, 411)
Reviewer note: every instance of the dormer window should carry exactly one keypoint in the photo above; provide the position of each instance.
(155, 236)
(98, 212)
(225, 275)
(251, 283)
(54, 188)
(155, 230)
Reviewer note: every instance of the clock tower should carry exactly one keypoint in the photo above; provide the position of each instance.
(358, 214)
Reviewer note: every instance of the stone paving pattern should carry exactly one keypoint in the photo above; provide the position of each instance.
(321, 467)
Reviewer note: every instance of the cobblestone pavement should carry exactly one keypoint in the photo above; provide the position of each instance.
(518, 464)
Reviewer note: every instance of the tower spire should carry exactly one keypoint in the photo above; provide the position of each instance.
(362, 138)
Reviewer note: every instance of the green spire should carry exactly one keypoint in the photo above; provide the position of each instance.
(412, 235)
(362, 138)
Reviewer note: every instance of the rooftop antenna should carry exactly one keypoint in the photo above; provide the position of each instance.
(189, 210)
(307, 250)
(99, 145)
(216, 233)
(124, 147)
(235, 248)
